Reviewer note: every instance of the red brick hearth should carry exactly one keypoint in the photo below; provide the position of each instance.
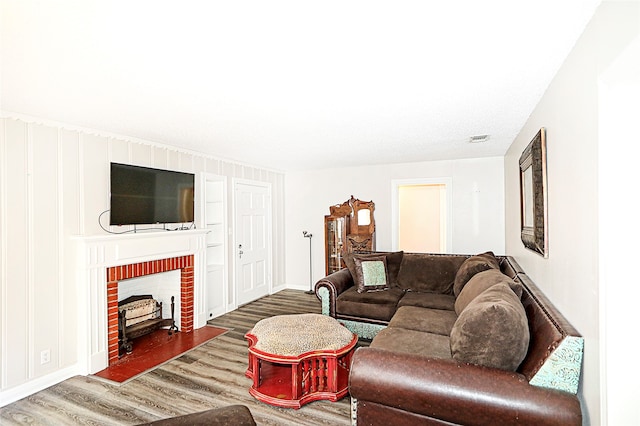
(123, 272)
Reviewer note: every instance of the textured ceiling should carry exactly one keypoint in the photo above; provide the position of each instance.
(290, 85)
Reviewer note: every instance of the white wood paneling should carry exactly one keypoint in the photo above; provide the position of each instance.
(94, 180)
(54, 183)
(15, 307)
(3, 253)
(69, 203)
(45, 256)
(160, 157)
(199, 165)
(141, 155)
(213, 166)
(119, 151)
(173, 160)
(186, 161)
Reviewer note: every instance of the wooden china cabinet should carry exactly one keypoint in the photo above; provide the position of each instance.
(335, 236)
(348, 227)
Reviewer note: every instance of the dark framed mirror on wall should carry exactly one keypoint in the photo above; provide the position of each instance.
(533, 195)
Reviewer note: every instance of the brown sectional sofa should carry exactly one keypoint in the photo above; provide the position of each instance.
(456, 339)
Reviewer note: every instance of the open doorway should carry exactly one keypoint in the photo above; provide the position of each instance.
(421, 215)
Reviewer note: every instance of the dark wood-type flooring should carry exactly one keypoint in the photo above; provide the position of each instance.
(209, 376)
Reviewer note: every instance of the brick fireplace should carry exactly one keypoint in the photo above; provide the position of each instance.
(124, 272)
(105, 261)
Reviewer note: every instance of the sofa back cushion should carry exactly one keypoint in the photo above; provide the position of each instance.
(492, 330)
(471, 266)
(479, 283)
(428, 273)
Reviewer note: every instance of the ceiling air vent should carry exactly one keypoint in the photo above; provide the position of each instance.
(478, 139)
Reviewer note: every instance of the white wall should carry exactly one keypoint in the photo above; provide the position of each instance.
(619, 104)
(571, 111)
(53, 185)
(478, 207)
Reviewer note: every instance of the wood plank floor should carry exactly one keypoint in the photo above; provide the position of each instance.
(207, 377)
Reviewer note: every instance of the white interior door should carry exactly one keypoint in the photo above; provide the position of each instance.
(252, 240)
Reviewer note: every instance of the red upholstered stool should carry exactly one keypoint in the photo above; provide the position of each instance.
(297, 359)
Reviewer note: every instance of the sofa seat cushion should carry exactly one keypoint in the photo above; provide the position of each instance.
(428, 300)
(492, 330)
(428, 273)
(379, 305)
(435, 321)
(412, 342)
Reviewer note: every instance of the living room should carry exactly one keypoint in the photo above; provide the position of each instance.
(54, 183)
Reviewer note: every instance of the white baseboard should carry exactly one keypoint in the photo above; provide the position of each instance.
(303, 287)
(22, 391)
(278, 288)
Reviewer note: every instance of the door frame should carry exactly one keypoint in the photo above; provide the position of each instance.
(448, 205)
(267, 185)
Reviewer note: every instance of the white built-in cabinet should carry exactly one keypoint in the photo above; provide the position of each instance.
(214, 219)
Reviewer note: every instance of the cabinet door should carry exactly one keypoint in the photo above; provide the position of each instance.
(215, 291)
(215, 221)
(334, 243)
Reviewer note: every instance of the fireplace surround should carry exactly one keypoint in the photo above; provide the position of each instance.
(115, 274)
(104, 261)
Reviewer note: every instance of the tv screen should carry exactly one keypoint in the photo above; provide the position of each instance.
(142, 195)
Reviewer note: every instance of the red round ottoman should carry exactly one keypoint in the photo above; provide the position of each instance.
(297, 359)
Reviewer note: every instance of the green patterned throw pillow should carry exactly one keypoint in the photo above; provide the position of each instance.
(371, 274)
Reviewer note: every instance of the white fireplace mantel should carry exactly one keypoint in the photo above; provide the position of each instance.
(97, 253)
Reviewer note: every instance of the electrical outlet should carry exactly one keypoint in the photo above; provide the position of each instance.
(45, 356)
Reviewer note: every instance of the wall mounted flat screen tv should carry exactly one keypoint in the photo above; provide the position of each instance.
(142, 195)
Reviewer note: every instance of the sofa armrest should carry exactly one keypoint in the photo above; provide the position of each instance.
(456, 392)
(335, 284)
